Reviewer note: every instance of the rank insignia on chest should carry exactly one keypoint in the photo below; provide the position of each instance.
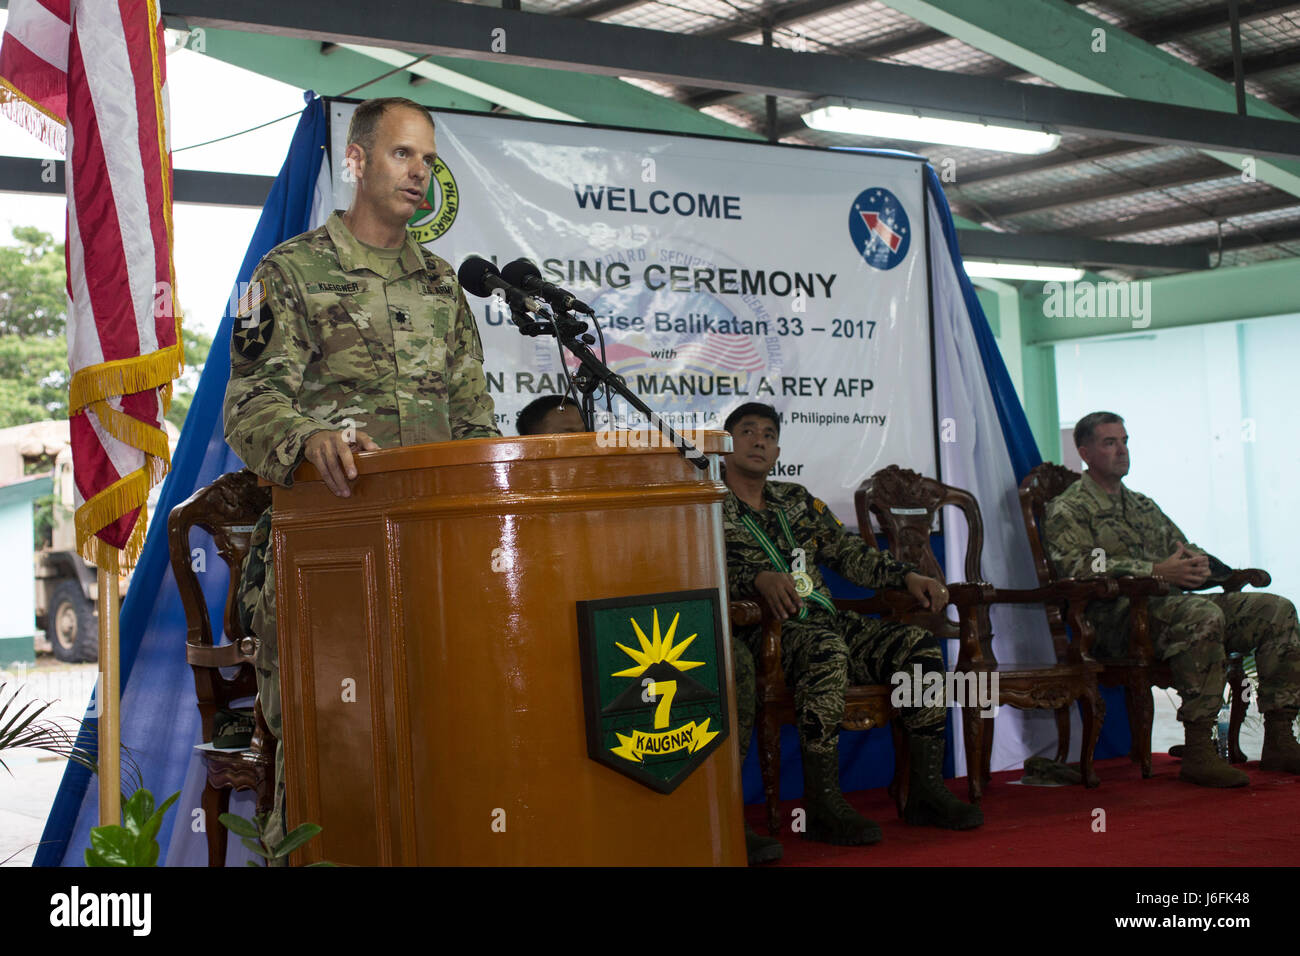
(253, 331)
(653, 679)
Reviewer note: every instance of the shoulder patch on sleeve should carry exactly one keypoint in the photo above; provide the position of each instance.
(820, 507)
(252, 332)
(251, 299)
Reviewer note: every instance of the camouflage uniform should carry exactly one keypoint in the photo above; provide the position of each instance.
(1093, 533)
(742, 661)
(335, 333)
(823, 652)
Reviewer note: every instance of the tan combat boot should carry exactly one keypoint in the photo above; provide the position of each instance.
(830, 818)
(1281, 752)
(1201, 765)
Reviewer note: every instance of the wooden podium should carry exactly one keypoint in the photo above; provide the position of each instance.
(432, 684)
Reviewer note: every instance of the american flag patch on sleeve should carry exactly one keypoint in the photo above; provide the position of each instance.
(252, 299)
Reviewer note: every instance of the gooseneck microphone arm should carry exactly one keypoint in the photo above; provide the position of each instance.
(573, 336)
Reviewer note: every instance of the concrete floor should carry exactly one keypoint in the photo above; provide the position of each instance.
(27, 791)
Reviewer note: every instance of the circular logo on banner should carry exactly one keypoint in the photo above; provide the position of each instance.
(441, 203)
(879, 228)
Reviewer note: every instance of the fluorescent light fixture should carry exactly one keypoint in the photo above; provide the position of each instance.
(1016, 270)
(914, 128)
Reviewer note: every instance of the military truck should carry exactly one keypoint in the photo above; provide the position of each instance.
(66, 589)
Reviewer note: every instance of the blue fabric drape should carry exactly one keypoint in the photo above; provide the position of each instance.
(1115, 739)
(156, 681)
(1011, 414)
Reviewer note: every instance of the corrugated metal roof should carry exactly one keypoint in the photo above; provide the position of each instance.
(1088, 186)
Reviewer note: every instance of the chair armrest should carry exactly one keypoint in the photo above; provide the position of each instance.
(221, 655)
(745, 614)
(886, 602)
(1134, 587)
(1240, 577)
(1066, 589)
(769, 675)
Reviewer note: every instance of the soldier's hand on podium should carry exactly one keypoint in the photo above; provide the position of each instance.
(331, 453)
(777, 591)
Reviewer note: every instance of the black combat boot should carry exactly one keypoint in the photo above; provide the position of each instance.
(929, 802)
(830, 818)
(1201, 765)
(761, 849)
(1281, 752)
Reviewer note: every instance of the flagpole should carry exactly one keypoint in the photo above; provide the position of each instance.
(110, 784)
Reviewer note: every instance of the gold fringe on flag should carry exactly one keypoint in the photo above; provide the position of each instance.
(121, 497)
(32, 117)
(97, 383)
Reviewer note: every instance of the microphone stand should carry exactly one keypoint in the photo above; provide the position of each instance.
(593, 373)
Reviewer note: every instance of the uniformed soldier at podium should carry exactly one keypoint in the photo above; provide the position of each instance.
(351, 337)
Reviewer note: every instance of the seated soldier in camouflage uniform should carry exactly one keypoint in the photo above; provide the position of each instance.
(823, 649)
(1099, 527)
(351, 338)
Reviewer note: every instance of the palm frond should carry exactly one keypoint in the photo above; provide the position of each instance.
(22, 725)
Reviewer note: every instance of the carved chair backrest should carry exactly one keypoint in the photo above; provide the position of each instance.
(904, 504)
(227, 509)
(1040, 486)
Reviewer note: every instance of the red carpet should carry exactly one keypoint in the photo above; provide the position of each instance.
(1160, 821)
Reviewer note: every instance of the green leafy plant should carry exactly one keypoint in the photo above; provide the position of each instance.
(21, 725)
(135, 842)
(252, 834)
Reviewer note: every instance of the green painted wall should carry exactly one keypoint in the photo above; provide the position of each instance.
(1194, 298)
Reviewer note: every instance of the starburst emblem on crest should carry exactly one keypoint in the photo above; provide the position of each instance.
(656, 649)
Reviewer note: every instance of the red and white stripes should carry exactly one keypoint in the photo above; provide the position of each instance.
(97, 68)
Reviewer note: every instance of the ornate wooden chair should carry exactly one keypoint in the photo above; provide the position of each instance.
(905, 505)
(1141, 669)
(227, 509)
(865, 705)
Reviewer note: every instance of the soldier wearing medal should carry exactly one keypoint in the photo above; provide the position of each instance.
(352, 337)
(777, 533)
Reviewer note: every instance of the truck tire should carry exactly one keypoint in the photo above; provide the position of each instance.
(73, 633)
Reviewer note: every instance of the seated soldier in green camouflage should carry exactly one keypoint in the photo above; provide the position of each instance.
(352, 337)
(1099, 527)
(823, 649)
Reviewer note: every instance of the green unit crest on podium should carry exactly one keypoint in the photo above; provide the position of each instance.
(652, 678)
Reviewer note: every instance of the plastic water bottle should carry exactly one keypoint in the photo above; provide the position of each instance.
(1221, 734)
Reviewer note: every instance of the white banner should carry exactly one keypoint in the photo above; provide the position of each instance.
(721, 272)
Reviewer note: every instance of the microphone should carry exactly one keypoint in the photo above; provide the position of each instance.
(528, 277)
(481, 278)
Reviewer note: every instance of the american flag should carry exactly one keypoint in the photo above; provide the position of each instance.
(725, 353)
(88, 78)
